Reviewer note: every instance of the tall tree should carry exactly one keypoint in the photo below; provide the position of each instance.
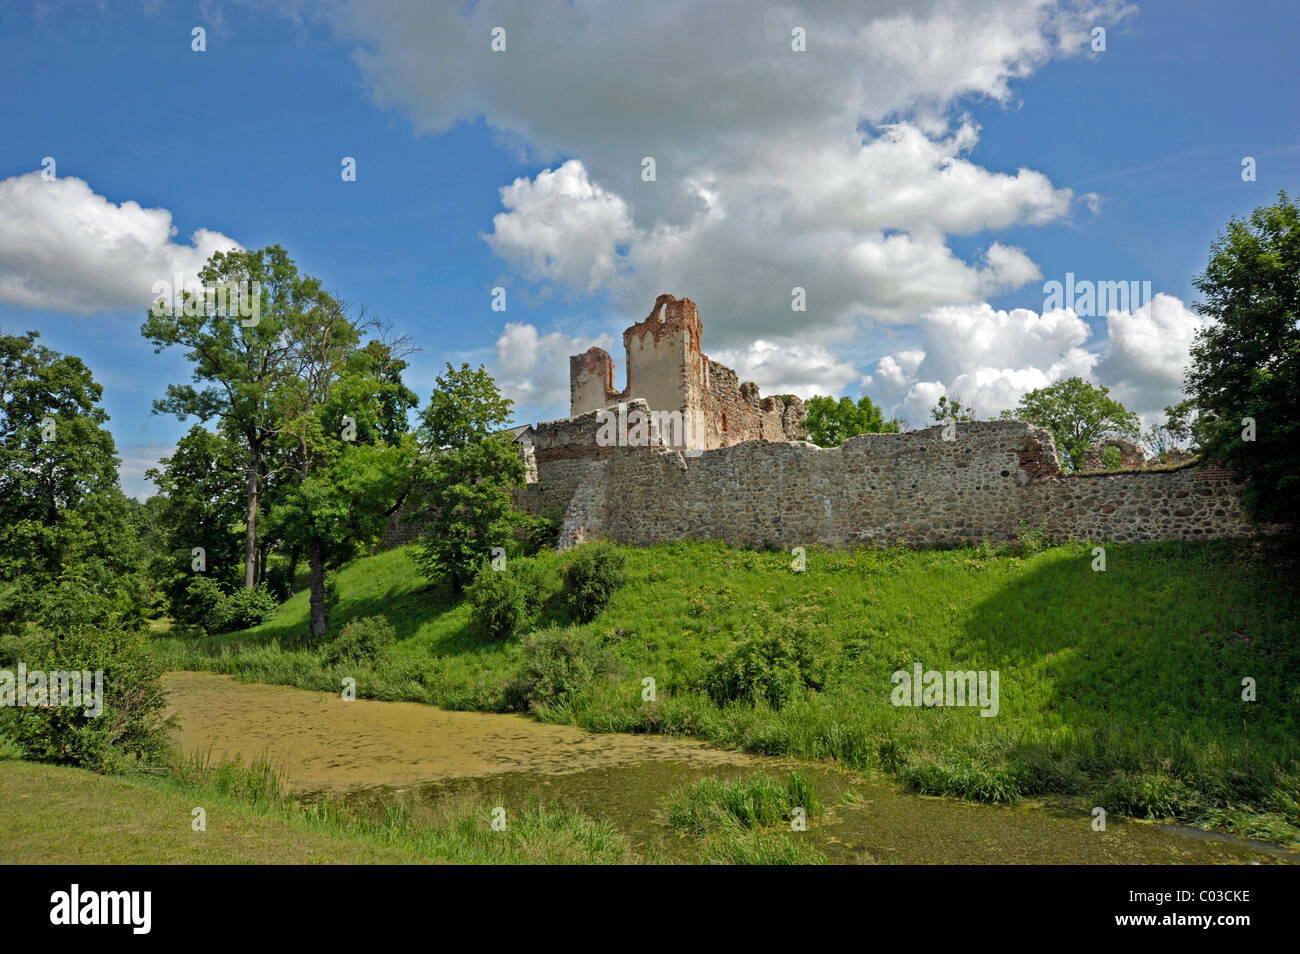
(62, 515)
(1245, 372)
(1078, 414)
(238, 362)
(471, 468)
(829, 423)
(339, 394)
(201, 505)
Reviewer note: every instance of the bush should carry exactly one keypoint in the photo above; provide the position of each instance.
(131, 726)
(558, 663)
(219, 612)
(593, 575)
(202, 604)
(244, 608)
(542, 530)
(1031, 540)
(279, 581)
(770, 667)
(505, 602)
(361, 641)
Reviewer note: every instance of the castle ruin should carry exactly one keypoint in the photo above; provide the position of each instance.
(667, 370)
(623, 467)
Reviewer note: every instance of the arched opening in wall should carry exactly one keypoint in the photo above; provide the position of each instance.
(663, 313)
(724, 422)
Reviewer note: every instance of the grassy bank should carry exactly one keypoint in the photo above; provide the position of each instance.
(1124, 686)
(59, 815)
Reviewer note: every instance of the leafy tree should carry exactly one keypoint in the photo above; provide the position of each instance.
(239, 363)
(465, 407)
(331, 512)
(62, 515)
(952, 408)
(829, 423)
(1246, 363)
(470, 469)
(200, 504)
(1078, 414)
(339, 395)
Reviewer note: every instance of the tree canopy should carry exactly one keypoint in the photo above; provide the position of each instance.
(829, 423)
(1245, 372)
(1078, 414)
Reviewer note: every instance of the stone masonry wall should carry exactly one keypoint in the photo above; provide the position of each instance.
(875, 489)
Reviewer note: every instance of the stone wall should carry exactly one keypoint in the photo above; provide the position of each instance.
(875, 489)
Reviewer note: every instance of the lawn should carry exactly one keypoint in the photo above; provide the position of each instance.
(1125, 685)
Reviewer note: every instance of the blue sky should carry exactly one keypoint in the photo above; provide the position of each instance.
(920, 170)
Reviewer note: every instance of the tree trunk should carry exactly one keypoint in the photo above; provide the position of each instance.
(250, 518)
(293, 569)
(316, 561)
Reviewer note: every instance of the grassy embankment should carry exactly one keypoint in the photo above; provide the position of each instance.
(53, 814)
(1123, 686)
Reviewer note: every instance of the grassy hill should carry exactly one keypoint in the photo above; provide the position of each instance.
(1122, 686)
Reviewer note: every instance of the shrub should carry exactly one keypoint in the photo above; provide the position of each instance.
(593, 575)
(504, 602)
(557, 664)
(279, 581)
(203, 604)
(361, 641)
(542, 530)
(219, 612)
(244, 608)
(1030, 540)
(770, 667)
(131, 726)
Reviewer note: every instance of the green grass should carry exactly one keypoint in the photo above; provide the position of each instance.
(1120, 686)
(57, 815)
(756, 801)
(747, 821)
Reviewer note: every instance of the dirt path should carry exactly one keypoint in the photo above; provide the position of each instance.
(324, 742)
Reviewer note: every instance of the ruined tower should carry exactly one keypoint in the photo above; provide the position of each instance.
(667, 370)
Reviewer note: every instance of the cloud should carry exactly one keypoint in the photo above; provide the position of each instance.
(1149, 350)
(64, 248)
(1010, 267)
(991, 358)
(532, 369)
(790, 368)
(560, 227)
(842, 169)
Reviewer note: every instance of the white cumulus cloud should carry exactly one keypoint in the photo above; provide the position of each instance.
(65, 248)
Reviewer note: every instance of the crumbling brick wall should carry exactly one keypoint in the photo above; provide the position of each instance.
(1130, 455)
(667, 369)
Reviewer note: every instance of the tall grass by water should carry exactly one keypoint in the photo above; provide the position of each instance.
(1123, 686)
